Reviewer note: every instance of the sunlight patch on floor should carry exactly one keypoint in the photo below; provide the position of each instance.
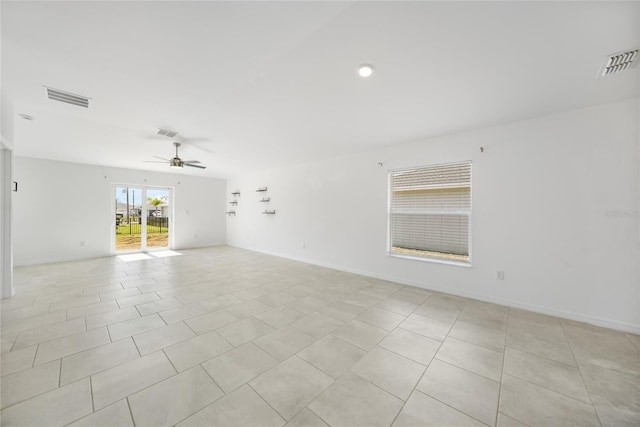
(164, 254)
(133, 257)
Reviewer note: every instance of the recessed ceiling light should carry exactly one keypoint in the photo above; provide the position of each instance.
(26, 117)
(365, 70)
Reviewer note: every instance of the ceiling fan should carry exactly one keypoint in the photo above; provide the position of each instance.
(177, 162)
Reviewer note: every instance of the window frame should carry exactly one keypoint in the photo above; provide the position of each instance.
(436, 260)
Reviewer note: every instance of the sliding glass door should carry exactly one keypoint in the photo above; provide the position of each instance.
(158, 209)
(142, 218)
(129, 218)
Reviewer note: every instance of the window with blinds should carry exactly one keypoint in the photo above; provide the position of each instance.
(430, 212)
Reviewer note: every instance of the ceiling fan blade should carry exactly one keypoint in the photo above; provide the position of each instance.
(195, 166)
(152, 161)
(191, 161)
(161, 158)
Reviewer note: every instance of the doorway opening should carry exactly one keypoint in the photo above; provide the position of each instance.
(143, 218)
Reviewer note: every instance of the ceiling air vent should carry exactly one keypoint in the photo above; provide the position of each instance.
(67, 97)
(620, 61)
(167, 133)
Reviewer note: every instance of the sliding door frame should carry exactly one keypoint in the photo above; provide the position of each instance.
(143, 217)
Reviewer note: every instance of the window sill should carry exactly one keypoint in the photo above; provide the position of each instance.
(434, 260)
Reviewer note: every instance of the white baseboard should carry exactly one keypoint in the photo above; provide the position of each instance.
(597, 321)
(204, 245)
(99, 255)
(56, 260)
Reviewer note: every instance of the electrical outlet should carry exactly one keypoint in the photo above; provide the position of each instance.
(499, 275)
(303, 245)
(82, 243)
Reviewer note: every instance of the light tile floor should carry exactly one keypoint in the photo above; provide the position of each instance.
(222, 336)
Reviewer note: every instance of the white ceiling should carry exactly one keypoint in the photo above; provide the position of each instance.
(254, 85)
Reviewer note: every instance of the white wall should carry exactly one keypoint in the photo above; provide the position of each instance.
(542, 191)
(6, 253)
(60, 204)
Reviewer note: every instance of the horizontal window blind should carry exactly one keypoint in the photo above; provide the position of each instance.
(431, 211)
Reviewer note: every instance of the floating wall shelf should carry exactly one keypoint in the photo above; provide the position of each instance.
(261, 189)
(269, 212)
(265, 199)
(233, 203)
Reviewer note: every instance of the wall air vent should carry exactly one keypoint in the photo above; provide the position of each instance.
(167, 133)
(67, 97)
(620, 61)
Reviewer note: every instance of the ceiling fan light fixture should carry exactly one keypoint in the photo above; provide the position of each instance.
(177, 162)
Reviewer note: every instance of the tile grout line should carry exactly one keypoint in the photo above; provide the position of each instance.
(626, 334)
(427, 368)
(114, 323)
(93, 405)
(192, 330)
(133, 420)
(584, 383)
(35, 356)
(504, 358)
(551, 390)
(137, 391)
(445, 403)
(475, 344)
(59, 373)
(618, 371)
(510, 347)
(101, 370)
(212, 379)
(477, 374)
(36, 395)
(317, 415)
(135, 344)
(265, 401)
(172, 365)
